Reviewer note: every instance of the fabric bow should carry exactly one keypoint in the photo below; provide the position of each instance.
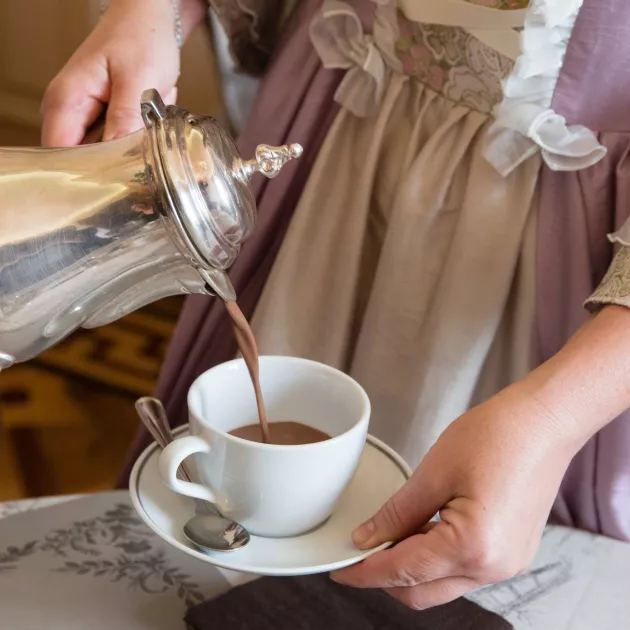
(338, 37)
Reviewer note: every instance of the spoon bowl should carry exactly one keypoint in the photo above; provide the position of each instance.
(204, 528)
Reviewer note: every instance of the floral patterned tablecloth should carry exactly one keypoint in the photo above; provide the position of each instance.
(90, 562)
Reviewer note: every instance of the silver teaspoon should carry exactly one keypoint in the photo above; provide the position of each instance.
(207, 530)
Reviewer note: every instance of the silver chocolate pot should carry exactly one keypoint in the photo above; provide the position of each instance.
(91, 233)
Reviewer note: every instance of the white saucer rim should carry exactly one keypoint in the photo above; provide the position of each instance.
(215, 560)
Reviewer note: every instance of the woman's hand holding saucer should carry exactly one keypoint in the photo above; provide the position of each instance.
(492, 476)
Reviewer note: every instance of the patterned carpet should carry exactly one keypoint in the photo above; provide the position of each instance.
(67, 417)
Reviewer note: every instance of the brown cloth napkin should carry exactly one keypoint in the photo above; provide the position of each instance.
(317, 603)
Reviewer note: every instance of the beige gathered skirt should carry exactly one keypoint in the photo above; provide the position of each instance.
(409, 263)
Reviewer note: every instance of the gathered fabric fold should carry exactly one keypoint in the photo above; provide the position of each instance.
(536, 38)
(401, 217)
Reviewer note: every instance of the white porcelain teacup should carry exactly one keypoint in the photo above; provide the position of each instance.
(272, 490)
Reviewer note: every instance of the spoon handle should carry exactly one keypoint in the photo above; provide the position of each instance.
(153, 416)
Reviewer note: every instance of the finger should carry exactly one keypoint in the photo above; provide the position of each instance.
(95, 132)
(433, 593)
(404, 514)
(123, 114)
(67, 114)
(416, 560)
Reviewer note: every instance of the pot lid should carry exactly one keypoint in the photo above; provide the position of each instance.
(206, 181)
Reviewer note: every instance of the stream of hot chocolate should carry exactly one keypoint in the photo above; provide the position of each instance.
(247, 345)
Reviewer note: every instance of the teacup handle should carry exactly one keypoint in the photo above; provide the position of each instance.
(170, 460)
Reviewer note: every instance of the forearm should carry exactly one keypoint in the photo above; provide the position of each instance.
(587, 384)
(191, 12)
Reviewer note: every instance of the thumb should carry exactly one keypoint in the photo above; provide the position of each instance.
(405, 514)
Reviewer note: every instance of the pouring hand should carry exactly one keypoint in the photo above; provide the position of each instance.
(132, 48)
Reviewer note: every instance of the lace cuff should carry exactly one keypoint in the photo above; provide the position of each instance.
(615, 287)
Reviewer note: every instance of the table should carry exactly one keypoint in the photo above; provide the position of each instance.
(89, 561)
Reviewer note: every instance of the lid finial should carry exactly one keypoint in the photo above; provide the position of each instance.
(269, 160)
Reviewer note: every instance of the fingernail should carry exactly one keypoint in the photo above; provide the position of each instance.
(362, 534)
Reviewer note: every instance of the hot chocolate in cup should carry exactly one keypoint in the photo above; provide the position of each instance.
(274, 490)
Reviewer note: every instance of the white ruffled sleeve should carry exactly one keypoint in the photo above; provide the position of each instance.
(525, 122)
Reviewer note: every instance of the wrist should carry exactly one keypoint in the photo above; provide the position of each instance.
(541, 407)
(183, 15)
(585, 385)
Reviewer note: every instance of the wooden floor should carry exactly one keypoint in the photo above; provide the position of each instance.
(67, 417)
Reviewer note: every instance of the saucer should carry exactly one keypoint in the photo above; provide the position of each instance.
(381, 472)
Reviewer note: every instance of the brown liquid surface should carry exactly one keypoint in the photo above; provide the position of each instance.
(286, 433)
(247, 345)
